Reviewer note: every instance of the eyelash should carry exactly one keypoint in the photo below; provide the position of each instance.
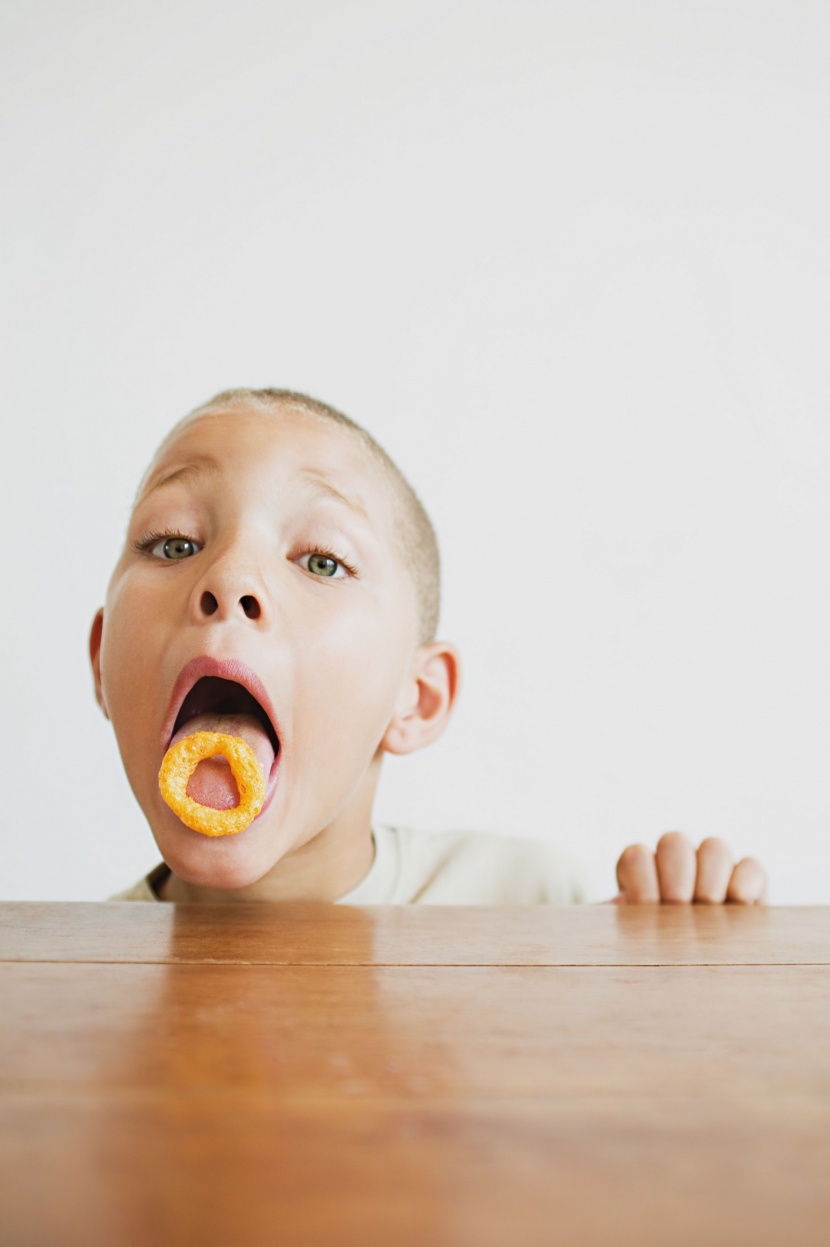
(152, 538)
(332, 554)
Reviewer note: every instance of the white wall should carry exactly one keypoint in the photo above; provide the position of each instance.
(569, 262)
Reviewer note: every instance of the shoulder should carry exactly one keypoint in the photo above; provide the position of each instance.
(145, 889)
(482, 868)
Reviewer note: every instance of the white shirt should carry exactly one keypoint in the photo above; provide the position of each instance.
(445, 868)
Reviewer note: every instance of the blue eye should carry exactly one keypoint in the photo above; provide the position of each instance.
(174, 548)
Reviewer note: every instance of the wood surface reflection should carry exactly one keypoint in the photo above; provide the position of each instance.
(236, 1086)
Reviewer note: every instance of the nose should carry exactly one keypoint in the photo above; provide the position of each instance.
(231, 587)
(209, 604)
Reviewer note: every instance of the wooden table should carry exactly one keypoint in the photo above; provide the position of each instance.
(308, 1074)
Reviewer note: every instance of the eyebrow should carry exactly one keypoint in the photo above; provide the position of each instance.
(325, 486)
(206, 463)
(185, 472)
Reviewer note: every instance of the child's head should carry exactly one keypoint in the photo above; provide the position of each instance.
(276, 561)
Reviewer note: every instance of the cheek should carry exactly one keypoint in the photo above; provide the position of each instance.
(347, 679)
(129, 654)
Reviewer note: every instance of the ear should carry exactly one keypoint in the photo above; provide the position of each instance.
(427, 698)
(95, 635)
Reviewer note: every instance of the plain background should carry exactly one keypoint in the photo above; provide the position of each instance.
(569, 262)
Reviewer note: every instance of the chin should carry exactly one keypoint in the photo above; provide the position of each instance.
(223, 862)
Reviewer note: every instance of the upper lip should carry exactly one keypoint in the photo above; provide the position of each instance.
(225, 669)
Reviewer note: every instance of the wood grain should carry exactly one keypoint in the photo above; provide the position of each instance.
(307, 934)
(421, 1031)
(249, 1075)
(116, 1170)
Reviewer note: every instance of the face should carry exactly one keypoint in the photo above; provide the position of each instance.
(260, 554)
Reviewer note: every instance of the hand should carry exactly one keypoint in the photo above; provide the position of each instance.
(677, 874)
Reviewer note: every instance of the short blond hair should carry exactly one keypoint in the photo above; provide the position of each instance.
(414, 533)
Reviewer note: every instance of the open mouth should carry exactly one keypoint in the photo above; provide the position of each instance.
(218, 703)
(221, 701)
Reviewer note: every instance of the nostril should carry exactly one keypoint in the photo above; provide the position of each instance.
(209, 604)
(250, 606)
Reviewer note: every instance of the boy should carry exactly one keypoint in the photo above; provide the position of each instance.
(279, 582)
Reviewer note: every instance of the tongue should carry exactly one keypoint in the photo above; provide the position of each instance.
(212, 783)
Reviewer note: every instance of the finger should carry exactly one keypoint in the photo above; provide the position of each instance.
(714, 870)
(748, 884)
(676, 868)
(637, 876)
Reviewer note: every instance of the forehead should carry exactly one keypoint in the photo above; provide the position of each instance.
(284, 445)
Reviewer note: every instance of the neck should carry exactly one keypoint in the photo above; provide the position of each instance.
(324, 868)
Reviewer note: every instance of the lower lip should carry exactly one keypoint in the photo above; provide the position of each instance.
(271, 785)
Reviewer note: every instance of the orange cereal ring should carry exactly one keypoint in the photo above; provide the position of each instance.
(181, 761)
